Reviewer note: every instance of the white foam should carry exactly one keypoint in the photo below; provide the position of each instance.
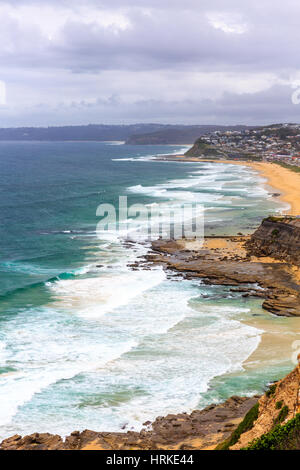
(174, 364)
(94, 297)
(162, 191)
(152, 157)
(153, 343)
(183, 364)
(3, 353)
(19, 388)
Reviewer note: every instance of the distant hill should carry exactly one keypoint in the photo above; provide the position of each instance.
(177, 134)
(132, 134)
(91, 132)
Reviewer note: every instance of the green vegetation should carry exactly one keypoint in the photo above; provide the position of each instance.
(281, 132)
(294, 168)
(282, 415)
(285, 437)
(275, 218)
(250, 157)
(275, 233)
(279, 405)
(281, 218)
(244, 426)
(271, 391)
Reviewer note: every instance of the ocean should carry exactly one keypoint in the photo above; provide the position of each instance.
(87, 342)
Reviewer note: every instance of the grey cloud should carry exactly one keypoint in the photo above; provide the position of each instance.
(170, 37)
(164, 37)
(273, 105)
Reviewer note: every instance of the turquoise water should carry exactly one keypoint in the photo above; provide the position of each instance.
(86, 342)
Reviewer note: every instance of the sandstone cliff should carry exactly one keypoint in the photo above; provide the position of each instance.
(279, 238)
(276, 424)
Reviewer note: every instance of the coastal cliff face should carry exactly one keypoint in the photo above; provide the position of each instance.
(278, 238)
(277, 424)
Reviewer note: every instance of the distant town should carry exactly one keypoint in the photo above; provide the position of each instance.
(280, 143)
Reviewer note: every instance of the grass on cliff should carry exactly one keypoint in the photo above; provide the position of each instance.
(244, 426)
(279, 405)
(282, 415)
(286, 437)
(271, 391)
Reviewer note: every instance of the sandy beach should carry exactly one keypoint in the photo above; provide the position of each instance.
(283, 179)
(278, 177)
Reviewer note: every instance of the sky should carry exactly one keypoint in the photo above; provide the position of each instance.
(170, 61)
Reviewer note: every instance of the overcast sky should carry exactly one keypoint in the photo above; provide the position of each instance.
(125, 61)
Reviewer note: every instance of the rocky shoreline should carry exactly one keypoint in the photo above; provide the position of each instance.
(235, 261)
(200, 430)
(267, 422)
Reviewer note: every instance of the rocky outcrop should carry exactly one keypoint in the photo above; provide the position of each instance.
(278, 237)
(281, 290)
(202, 149)
(35, 441)
(202, 429)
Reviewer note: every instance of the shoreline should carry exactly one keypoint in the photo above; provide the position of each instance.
(282, 179)
(278, 178)
(200, 430)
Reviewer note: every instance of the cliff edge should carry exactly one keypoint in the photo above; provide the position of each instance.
(279, 238)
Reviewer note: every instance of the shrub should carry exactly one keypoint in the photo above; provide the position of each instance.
(285, 437)
(271, 391)
(244, 426)
(282, 415)
(275, 233)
